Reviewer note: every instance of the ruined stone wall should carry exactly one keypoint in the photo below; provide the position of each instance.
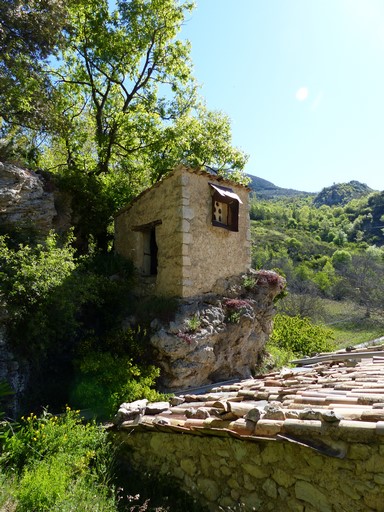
(212, 252)
(233, 475)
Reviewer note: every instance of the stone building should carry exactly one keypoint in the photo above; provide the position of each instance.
(186, 232)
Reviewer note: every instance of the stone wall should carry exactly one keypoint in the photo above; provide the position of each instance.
(192, 254)
(160, 203)
(226, 474)
(213, 252)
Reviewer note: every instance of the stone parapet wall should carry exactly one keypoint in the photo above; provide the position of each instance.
(263, 475)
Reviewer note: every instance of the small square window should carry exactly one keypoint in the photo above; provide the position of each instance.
(225, 208)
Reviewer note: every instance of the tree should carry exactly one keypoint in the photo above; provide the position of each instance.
(30, 31)
(130, 108)
(365, 277)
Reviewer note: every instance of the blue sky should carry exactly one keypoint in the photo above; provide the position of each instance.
(302, 82)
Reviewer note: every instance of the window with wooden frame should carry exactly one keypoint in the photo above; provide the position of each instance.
(225, 207)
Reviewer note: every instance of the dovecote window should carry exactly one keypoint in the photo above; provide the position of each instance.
(225, 207)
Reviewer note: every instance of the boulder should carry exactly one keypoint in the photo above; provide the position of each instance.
(214, 337)
(25, 201)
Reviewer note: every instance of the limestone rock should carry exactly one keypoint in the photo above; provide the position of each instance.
(229, 332)
(13, 371)
(130, 411)
(24, 199)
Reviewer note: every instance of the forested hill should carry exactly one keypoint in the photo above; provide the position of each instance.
(339, 194)
(265, 189)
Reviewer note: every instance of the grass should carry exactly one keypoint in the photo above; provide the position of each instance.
(349, 323)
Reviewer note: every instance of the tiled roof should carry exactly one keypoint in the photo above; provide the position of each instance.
(340, 398)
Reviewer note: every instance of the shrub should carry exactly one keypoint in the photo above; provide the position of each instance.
(43, 484)
(235, 308)
(249, 282)
(300, 336)
(55, 300)
(52, 462)
(193, 323)
(105, 380)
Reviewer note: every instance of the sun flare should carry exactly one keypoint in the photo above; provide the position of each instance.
(302, 94)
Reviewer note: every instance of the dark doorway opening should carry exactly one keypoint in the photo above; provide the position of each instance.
(153, 252)
(150, 252)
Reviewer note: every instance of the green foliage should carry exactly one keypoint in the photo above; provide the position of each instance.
(341, 193)
(326, 254)
(276, 357)
(31, 31)
(105, 380)
(235, 309)
(44, 288)
(249, 282)
(53, 462)
(55, 301)
(300, 336)
(193, 323)
(341, 258)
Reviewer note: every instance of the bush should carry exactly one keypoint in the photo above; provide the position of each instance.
(235, 309)
(55, 300)
(52, 463)
(106, 380)
(299, 336)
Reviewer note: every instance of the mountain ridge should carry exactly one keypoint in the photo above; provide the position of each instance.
(265, 189)
(339, 192)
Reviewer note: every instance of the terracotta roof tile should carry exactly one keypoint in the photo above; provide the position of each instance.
(328, 398)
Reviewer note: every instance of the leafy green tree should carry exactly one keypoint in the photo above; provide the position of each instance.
(293, 246)
(130, 108)
(365, 277)
(341, 258)
(326, 279)
(300, 336)
(30, 32)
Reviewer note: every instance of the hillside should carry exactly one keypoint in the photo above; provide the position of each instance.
(264, 189)
(340, 194)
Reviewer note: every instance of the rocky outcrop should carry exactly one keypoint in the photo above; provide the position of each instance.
(13, 372)
(217, 336)
(24, 200)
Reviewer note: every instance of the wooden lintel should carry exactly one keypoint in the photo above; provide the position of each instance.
(148, 226)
